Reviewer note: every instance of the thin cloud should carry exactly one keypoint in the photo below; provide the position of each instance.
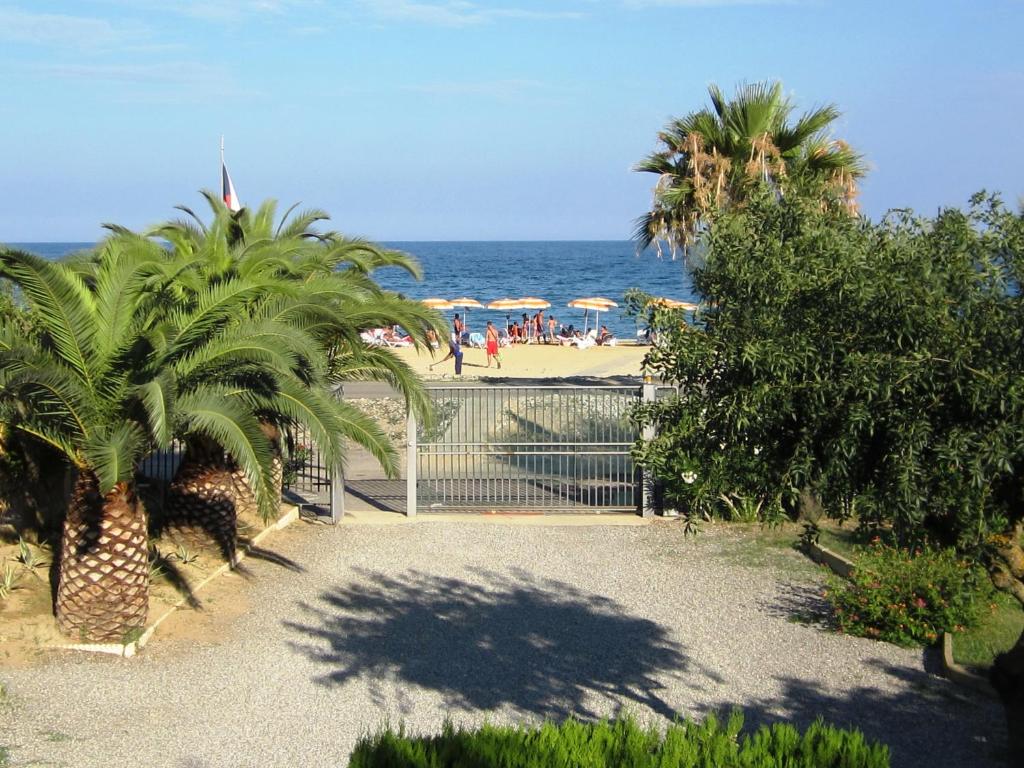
(453, 13)
(495, 88)
(19, 26)
(182, 82)
(702, 3)
(219, 10)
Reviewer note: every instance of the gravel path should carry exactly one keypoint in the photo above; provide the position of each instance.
(416, 622)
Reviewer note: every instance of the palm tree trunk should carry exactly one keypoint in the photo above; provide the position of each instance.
(103, 584)
(209, 492)
(203, 496)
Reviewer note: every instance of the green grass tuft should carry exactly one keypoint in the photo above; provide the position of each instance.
(996, 632)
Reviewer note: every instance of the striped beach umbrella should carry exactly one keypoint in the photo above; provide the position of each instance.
(441, 304)
(598, 304)
(466, 303)
(672, 304)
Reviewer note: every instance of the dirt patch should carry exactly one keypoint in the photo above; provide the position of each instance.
(180, 562)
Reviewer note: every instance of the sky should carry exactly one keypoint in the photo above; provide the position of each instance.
(473, 119)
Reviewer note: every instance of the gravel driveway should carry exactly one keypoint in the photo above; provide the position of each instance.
(416, 622)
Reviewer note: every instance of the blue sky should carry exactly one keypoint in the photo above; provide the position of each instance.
(472, 119)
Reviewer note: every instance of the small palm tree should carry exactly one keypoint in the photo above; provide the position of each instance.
(713, 158)
(97, 382)
(323, 287)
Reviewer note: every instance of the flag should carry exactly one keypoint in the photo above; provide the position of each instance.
(227, 189)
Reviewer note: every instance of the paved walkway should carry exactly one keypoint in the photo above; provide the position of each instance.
(349, 626)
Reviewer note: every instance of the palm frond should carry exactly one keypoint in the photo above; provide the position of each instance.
(62, 304)
(114, 453)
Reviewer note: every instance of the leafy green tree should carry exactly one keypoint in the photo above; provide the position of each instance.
(869, 367)
(714, 158)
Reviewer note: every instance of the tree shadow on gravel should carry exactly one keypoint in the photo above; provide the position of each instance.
(926, 721)
(540, 646)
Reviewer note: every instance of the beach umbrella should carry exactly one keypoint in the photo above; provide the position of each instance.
(466, 303)
(672, 304)
(531, 302)
(506, 306)
(596, 303)
(441, 304)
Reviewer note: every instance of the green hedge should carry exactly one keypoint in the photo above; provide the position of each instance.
(620, 743)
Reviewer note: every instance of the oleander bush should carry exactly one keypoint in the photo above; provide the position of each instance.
(909, 597)
(713, 743)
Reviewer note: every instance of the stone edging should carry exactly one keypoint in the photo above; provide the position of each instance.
(960, 674)
(838, 564)
(950, 669)
(130, 649)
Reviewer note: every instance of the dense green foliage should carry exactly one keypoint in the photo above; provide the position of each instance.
(909, 597)
(876, 369)
(571, 744)
(114, 372)
(713, 159)
(319, 283)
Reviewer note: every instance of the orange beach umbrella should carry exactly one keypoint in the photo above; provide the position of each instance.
(673, 304)
(466, 303)
(597, 303)
(437, 304)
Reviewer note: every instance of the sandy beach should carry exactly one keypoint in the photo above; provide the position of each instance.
(532, 361)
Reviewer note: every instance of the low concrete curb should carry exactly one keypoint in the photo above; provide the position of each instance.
(130, 649)
(838, 564)
(950, 669)
(960, 674)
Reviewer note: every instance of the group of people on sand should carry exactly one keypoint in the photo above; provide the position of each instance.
(494, 339)
(533, 330)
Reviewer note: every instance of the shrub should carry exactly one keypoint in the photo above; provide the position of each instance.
(908, 597)
(872, 369)
(621, 742)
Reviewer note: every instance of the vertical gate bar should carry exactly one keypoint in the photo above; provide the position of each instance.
(337, 503)
(410, 461)
(477, 474)
(515, 421)
(648, 394)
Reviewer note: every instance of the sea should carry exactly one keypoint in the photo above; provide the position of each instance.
(556, 271)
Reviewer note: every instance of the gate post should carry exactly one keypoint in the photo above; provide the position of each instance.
(410, 464)
(648, 395)
(337, 503)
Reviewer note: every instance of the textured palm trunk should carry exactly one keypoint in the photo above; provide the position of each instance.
(103, 583)
(203, 497)
(208, 494)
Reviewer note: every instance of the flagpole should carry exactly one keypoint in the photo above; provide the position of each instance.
(223, 191)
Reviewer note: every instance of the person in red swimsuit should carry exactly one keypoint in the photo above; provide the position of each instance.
(491, 342)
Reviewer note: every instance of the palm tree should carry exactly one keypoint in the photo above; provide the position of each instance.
(713, 158)
(324, 288)
(97, 383)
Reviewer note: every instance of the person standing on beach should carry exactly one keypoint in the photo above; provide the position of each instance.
(538, 326)
(552, 322)
(458, 327)
(492, 345)
(454, 350)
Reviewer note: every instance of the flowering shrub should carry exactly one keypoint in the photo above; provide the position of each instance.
(908, 597)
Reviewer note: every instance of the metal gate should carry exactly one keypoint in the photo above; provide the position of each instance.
(526, 448)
